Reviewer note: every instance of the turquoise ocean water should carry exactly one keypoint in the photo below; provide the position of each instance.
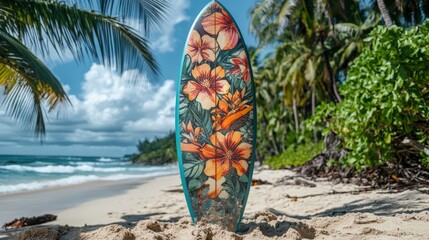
(29, 173)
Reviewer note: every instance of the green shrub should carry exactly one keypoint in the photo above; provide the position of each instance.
(294, 157)
(384, 114)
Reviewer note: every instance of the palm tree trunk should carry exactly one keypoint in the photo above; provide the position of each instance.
(295, 112)
(330, 72)
(384, 13)
(275, 144)
(273, 139)
(313, 110)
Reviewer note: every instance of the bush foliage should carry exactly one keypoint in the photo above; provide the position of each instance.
(295, 157)
(385, 111)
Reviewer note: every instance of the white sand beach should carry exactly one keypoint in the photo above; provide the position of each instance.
(289, 208)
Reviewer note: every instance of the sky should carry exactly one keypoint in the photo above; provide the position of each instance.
(108, 114)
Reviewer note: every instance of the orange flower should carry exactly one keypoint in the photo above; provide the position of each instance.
(231, 108)
(200, 48)
(222, 25)
(191, 135)
(208, 82)
(190, 144)
(225, 151)
(241, 66)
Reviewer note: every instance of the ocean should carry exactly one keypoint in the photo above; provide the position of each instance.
(29, 173)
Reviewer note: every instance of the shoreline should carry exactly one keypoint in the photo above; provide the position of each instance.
(77, 185)
(286, 209)
(57, 199)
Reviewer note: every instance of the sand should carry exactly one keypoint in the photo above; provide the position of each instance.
(290, 208)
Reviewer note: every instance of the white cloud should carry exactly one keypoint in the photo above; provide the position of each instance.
(110, 111)
(164, 39)
(111, 102)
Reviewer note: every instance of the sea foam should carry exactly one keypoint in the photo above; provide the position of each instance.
(74, 180)
(79, 168)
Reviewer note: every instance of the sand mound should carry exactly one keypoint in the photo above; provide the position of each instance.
(264, 225)
(112, 232)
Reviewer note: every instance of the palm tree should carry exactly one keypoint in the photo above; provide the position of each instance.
(88, 29)
(274, 116)
(303, 27)
(314, 42)
(310, 22)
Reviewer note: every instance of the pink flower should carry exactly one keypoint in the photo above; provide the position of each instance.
(241, 66)
(200, 48)
(208, 82)
(222, 25)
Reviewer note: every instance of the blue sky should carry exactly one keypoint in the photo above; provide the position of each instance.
(109, 115)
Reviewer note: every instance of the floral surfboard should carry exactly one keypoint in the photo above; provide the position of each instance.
(215, 119)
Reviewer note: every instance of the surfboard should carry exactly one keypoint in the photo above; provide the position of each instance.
(216, 119)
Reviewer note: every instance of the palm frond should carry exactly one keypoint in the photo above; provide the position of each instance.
(28, 84)
(150, 12)
(262, 15)
(286, 10)
(350, 30)
(85, 33)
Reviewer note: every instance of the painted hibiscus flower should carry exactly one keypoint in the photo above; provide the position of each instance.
(241, 68)
(201, 48)
(221, 24)
(225, 151)
(208, 82)
(230, 109)
(190, 143)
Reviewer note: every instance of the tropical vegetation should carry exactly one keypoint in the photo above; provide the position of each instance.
(384, 114)
(89, 30)
(295, 156)
(160, 151)
(314, 42)
(332, 66)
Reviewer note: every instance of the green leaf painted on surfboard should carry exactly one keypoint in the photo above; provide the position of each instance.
(194, 184)
(244, 178)
(193, 170)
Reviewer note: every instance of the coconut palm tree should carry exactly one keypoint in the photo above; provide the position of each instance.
(314, 42)
(313, 23)
(89, 29)
(303, 27)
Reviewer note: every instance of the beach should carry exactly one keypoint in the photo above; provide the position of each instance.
(288, 207)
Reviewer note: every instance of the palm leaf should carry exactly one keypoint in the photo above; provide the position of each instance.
(350, 30)
(262, 15)
(286, 10)
(150, 12)
(85, 33)
(28, 84)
